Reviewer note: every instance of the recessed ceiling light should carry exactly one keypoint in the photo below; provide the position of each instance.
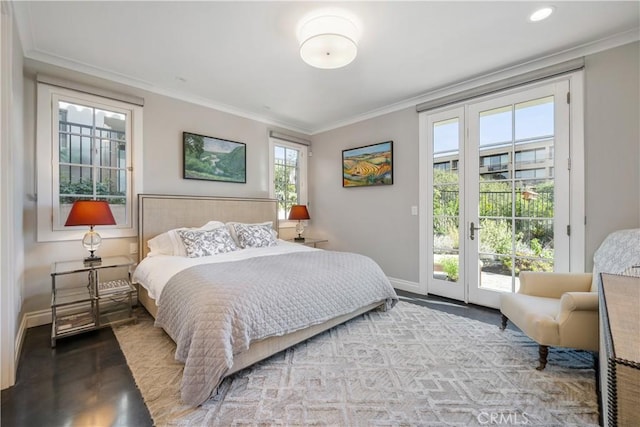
(541, 14)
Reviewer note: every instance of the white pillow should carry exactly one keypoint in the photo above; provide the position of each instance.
(199, 243)
(170, 243)
(162, 244)
(255, 235)
(232, 229)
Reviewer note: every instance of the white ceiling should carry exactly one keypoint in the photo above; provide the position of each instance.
(242, 57)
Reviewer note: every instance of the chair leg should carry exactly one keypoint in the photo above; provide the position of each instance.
(503, 325)
(543, 351)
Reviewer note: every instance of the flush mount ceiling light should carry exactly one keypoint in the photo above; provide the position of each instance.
(541, 14)
(328, 39)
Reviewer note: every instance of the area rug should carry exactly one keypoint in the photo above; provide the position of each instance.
(410, 366)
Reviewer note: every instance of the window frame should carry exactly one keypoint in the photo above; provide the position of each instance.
(303, 174)
(48, 185)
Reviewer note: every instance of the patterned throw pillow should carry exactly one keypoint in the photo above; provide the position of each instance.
(199, 243)
(255, 236)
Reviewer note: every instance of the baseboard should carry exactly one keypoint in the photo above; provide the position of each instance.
(22, 331)
(38, 318)
(29, 320)
(405, 285)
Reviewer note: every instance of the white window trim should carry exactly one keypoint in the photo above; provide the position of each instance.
(46, 156)
(304, 155)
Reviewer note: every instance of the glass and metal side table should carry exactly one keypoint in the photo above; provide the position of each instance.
(104, 298)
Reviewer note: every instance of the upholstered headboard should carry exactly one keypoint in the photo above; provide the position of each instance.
(160, 213)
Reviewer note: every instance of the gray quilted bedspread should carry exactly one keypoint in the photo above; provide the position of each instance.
(214, 311)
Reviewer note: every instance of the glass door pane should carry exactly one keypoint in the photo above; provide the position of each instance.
(512, 216)
(445, 204)
(516, 192)
(446, 200)
(495, 210)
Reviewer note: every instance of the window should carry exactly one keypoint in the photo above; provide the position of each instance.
(495, 162)
(531, 173)
(91, 143)
(531, 156)
(445, 166)
(288, 176)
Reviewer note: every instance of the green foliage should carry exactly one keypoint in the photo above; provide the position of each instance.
(446, 200)
(219, 166)
(194, 145)
(496, 237)
(285, 188)
(535, 257)
(86, 188)
(533, 243)
(454, 236)
(233, 163)
(441, 176)
(450, 266)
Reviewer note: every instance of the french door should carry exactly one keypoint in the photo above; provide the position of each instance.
(496, 186)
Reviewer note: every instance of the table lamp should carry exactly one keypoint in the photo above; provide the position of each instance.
(299, 213)
(91, 213)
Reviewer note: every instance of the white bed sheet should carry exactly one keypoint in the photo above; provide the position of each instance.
(154, 272)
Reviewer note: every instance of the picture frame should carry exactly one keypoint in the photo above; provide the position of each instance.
(370, 165)
(213, 159)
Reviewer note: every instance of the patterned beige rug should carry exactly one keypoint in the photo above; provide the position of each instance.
(410, 366)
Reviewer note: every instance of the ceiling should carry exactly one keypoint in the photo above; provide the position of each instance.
(242, 57)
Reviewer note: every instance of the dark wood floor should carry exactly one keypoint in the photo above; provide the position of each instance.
(85, 380)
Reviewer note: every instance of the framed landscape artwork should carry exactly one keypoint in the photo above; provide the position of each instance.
(213, 159)
(368, 165)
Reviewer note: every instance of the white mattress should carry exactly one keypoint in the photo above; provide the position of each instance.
(154, 272)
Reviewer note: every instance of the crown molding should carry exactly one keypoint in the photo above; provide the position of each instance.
(150, 87)
(610, 42)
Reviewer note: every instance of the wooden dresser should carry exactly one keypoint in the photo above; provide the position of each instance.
(620, 350)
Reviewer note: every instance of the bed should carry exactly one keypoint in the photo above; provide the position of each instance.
(263, 299)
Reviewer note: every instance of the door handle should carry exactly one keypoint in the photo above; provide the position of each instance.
(472, 230)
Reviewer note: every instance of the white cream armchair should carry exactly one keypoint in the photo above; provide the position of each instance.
(554, 309)
(561, 309)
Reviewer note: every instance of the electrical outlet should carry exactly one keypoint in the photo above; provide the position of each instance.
(133, 248)
(414, 210)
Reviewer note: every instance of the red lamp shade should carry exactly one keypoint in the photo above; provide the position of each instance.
(299, 212)
(90, 212)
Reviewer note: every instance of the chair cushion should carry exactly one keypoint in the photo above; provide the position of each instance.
(535, 316)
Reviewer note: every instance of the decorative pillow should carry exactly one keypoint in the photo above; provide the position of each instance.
(199, 243)
(232, 229)
(255, 236)
(170, 243)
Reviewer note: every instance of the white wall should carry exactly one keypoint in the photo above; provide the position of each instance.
(612, 146)
(376, 221)
(164, 121)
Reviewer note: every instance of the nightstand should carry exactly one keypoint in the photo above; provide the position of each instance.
(309, 241)
(76, 309)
